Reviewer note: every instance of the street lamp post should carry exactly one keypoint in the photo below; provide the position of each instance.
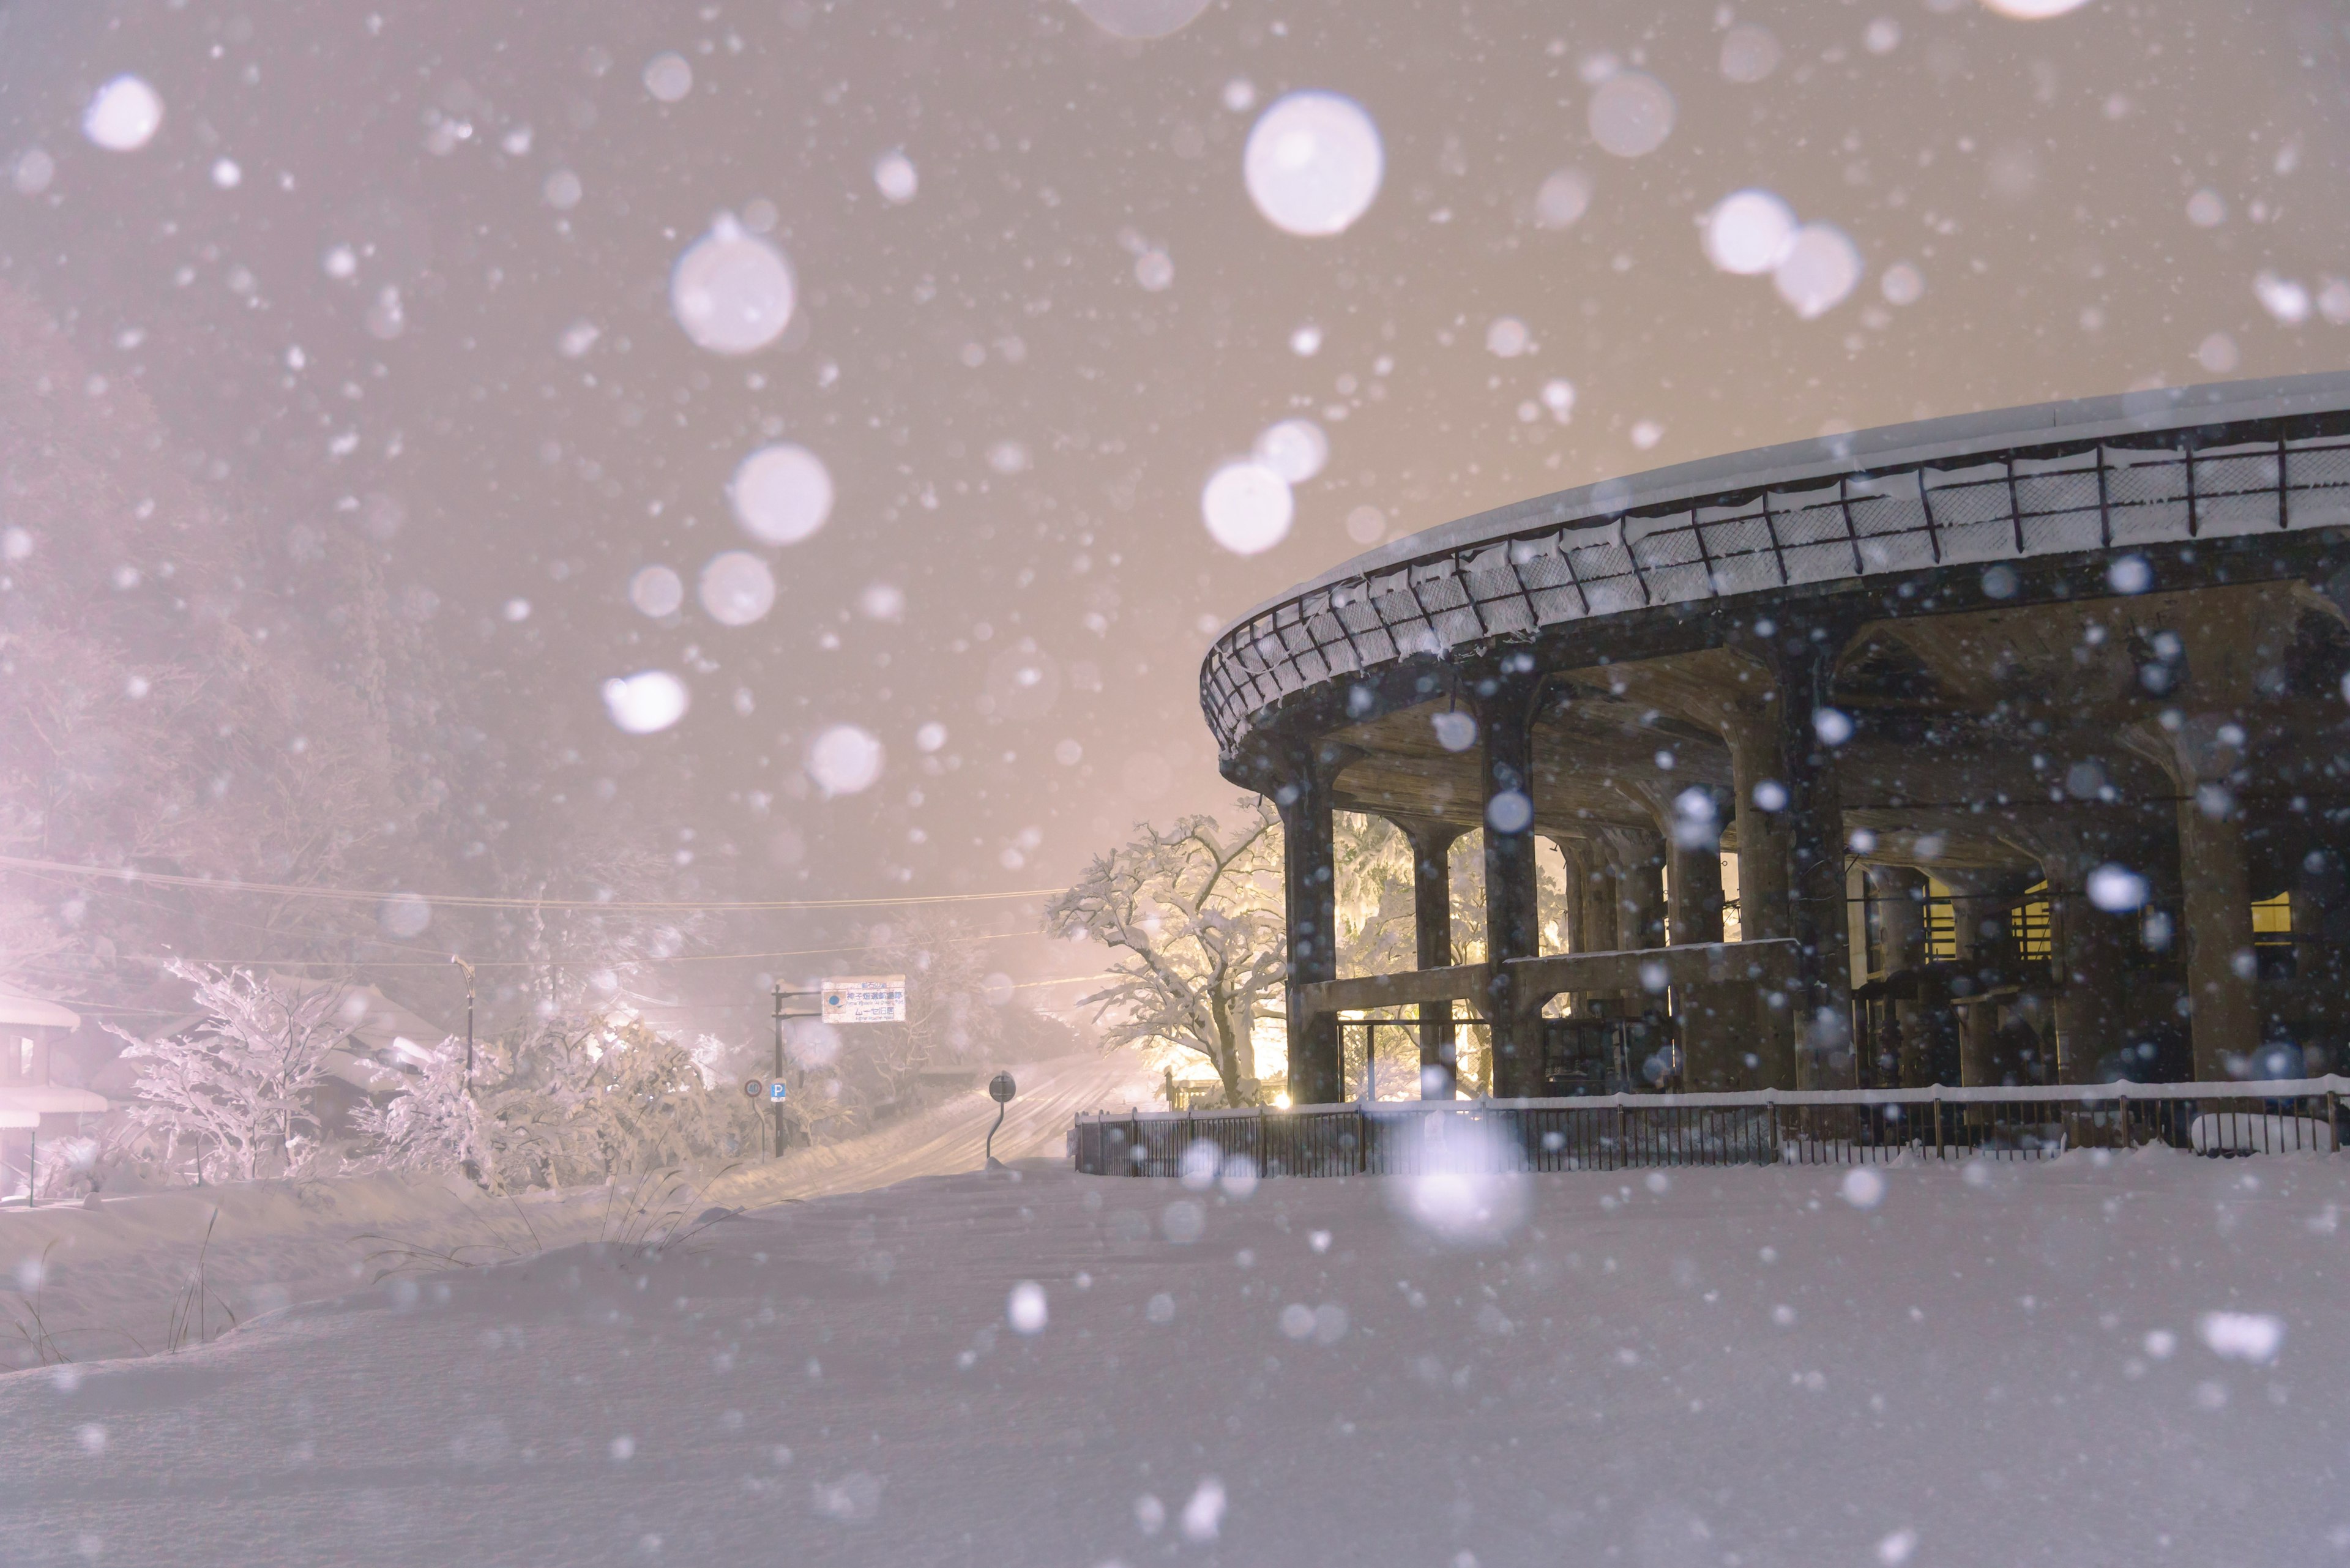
(460, 963)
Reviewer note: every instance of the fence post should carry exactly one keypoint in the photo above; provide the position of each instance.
(2333, 1124)
(1936, 1104)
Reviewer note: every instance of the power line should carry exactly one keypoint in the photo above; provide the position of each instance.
(536, 963)
(723, 1006)
(487, 901)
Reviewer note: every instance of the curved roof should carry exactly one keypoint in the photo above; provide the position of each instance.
(2086, 473)
(33, 1011)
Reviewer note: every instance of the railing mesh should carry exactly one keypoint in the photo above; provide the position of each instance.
(1858, 526)
(1632, 1131)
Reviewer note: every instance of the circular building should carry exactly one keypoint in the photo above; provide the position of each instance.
(2005, 748)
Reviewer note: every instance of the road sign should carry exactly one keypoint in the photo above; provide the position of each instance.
(865, 999)
(1001, 1087)
(753, 1087)
(776, 1092)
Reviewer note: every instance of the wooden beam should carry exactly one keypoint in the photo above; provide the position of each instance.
(1465, 981)
(1536, 980)
(1761, 962)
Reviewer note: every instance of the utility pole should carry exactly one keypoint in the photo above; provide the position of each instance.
(460, 963)
(780, 1015)
(779, 1068)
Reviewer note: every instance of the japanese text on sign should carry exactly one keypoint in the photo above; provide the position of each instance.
(865, 999)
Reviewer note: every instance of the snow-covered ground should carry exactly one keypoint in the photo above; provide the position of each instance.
(2132, 1360)
(115, 1280)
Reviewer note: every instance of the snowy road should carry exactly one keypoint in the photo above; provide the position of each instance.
(953, 1137)
(117, 1275)
(1742, 1368)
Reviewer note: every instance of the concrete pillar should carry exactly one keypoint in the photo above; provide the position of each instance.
(1602, 905)
(2321, 897)
(1898, 894)
(2092, 1023)
(1643, 883)
(1590, 905)
(2217, 898)
(1815, 865)
(1576, 855)
(1512, 920)
(2203, 751)
(1974, 900)
(1757, 759)
(1637, 856)
(1310, 897)
(2320, 922)
(1432, 910)
(1694, 893)
(1714, 1020)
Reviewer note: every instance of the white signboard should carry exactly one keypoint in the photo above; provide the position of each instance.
(865, 999)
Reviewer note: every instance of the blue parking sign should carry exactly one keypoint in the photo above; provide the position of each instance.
(776, 1091)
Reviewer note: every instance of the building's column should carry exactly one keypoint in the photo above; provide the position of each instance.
(1512, 920)
(1602, 904)
(2319, 909)
(1637, 856)
(1711, 1019)
(2203, 753)
(1574, 855)
(1756, 761)
(1694, 893)
(2216, 890)
(1643, 925)
(2091, 1018)
(1310, 893)
(1898, 895)
(1981, 942)
(1815, 865)
(1432, 911)
(1581, 859)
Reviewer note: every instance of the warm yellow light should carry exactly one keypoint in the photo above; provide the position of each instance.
(1280, 1099)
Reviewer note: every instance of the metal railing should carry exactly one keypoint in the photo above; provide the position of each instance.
(2033, 500)
(1621, 1132)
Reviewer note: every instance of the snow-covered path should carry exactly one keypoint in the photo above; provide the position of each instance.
(117, 1274)
(2012, 1364)
(953, 1137)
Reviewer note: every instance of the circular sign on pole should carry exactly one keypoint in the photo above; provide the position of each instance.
(1002, 1088)
(753, 1087)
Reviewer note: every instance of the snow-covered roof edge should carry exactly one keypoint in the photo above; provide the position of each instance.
(1797, 463)
(34, 1012)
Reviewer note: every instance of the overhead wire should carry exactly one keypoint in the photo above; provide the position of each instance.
(535, 963)
(130, 876)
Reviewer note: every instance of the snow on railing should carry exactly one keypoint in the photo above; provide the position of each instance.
(1968, 508)
(1758, 1127)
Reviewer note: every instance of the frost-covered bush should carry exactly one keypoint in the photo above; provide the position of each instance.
(433, 1125)
(240, 1088)
(562, 1102)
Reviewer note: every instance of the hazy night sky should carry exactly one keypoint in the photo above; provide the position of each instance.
(1018, 424)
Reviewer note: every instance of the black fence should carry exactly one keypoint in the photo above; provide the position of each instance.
(1634, 1131)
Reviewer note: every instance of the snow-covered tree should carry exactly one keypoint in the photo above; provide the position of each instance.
(562, 1102)
(1196, 911)
(434, 1124)
(240, 1085)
